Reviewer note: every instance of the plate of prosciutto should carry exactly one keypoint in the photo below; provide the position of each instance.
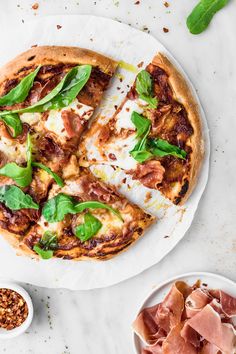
(193, 313)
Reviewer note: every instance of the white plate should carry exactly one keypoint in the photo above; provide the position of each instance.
(120, 42)
(213, 281)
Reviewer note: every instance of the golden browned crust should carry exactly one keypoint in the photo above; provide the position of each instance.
(52, 55)
(183, 94)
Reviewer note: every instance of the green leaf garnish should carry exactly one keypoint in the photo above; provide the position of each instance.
(55, 176)
(144, 87)
(45, 247)
(141, 123)
(13, 122)
(147, 147)
(96, 205)
(160, 147)
(21, 175)
(19, 93)
(90, 227)
(63, 94)
(56, 208)
(202, 14)
(15, 199)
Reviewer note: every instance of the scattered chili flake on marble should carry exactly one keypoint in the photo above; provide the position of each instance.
(59, 27)
(137, 3)
(35, 6)
(165, 30)
(13, 309)
(148, 196)
(140, 64)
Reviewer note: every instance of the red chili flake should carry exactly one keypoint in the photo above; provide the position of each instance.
(112, 157)
(166, 4)
(124, 180)
(118, 88)
(115, 106)
(59, 26)
(166, 30)
(137, 3)
(34, 45)
(35, 6)
(140, 64)
(127, 109)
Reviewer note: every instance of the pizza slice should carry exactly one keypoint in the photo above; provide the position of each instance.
(155, 135)
(86, 219)
(47, 96)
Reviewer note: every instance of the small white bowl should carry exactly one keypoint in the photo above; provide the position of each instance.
(7, 334)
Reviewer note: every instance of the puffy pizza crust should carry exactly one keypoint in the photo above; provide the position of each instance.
(52, 55)
(183, 94)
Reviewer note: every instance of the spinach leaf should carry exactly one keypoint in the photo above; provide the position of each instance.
(144, 87)
(202, 14)
(63, 94)
(15, 199)
(21, 175)
(90, 227)
(96, 205)
(19, 93)
(13, 122)
(45, 247)
(44, 254)
(141, 123)
(56, 208)
(160, 147)
(57, 178)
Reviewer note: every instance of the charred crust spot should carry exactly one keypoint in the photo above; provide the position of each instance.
(184, 188)
(31, 58)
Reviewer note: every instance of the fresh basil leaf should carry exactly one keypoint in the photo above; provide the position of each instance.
(90, 227)
(13, 122)
(21, 175)
(96, 205)
(160, 147)
(56, 208)
(144, 88)
(19, 93)
(15, 199)
(44, 254)
(141, 156)
(153, 101)
(140, 151)
(202, 14)
(57, 178)
(141, 123)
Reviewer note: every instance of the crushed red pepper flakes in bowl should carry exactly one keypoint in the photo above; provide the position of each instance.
(13, 309)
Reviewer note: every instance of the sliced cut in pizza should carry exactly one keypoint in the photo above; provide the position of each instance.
(155, 135)
(47, 96)
(86, 219)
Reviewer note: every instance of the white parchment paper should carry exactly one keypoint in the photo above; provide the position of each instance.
(132, 46)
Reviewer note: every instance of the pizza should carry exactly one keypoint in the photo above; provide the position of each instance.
(51, 204)
(155, 135)
(48, 95)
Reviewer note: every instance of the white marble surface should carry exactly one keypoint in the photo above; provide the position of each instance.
(98, 321)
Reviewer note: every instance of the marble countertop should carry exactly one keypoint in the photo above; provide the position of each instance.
(98, 321)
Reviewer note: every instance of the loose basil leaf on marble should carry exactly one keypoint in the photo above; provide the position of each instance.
(144, 88)
(13, 122)
(56, 208)
(202, 14)
(96, 205)
(55, 176)
(44, 254)
(19, 93)
(160, 147)
(141, 123)
(15, 199)
(45, 247)
(21, 175)
(89, 228)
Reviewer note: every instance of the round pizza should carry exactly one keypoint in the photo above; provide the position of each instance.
(51, 204)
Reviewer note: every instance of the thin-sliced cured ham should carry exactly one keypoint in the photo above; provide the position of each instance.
(190, 320)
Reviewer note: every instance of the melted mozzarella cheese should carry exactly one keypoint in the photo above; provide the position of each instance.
(121, 149)
(123, 118)
(13, 150)
(30, 118)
